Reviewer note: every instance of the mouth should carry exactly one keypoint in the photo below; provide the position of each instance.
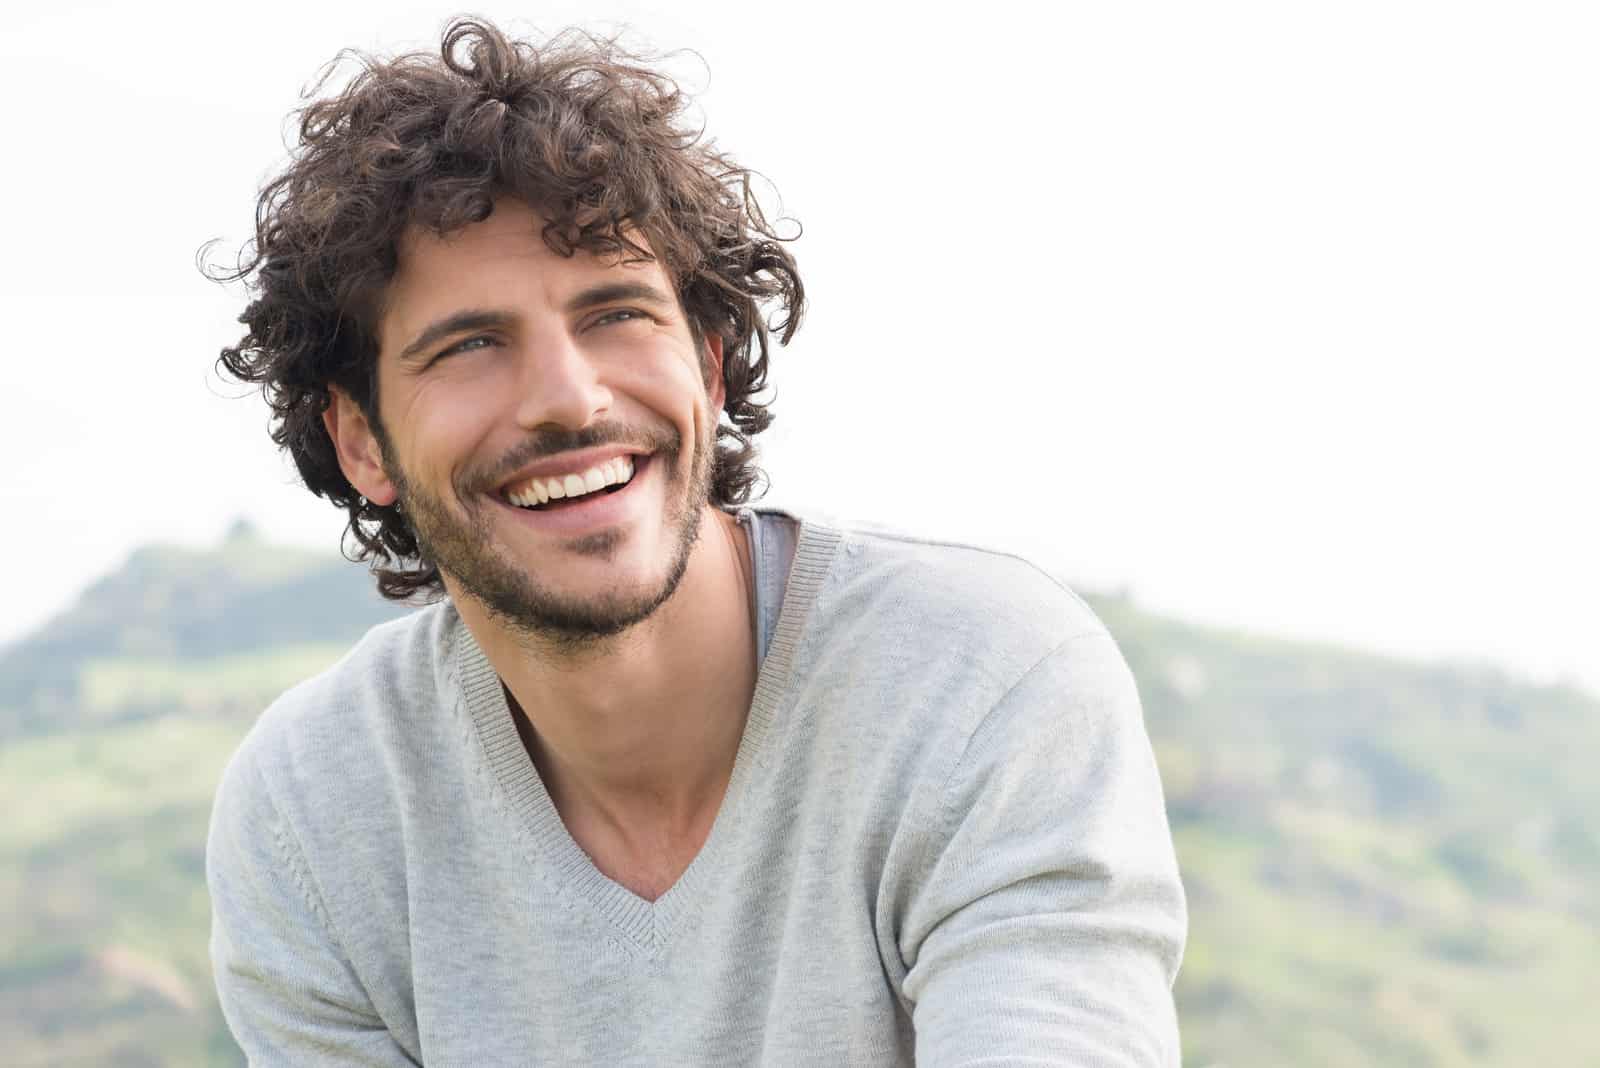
(573, 490)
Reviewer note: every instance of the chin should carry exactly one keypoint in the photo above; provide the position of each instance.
(605, 583)
(580, 615)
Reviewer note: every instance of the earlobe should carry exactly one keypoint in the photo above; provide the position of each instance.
(356, 445)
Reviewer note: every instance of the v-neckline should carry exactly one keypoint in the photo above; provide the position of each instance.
(647, 926)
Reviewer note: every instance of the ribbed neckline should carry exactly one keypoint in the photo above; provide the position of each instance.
(552, 850)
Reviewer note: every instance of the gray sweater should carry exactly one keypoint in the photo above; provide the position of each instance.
(943, 843)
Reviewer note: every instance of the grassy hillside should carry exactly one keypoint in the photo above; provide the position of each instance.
(171, 617)
(1388, 864)
(103, 860)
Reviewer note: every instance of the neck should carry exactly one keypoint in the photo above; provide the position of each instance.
(641, 729)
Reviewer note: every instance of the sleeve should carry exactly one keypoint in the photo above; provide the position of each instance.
(288, 992)
(1049, 919)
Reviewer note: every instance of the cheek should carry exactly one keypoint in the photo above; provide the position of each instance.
(439, 427)
(673, 390)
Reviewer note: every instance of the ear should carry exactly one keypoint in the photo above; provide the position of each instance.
(360, 458)
(716, 388)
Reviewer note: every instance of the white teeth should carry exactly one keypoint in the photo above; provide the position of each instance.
(613, 472)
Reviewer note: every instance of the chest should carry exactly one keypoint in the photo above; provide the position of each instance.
(644, 855)
(649, 865)
(764, 981)
(760, 939)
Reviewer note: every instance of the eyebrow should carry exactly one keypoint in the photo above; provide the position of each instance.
(607, 292)
(471, 319)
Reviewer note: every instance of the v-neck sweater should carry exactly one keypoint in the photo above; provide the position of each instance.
(942, 842)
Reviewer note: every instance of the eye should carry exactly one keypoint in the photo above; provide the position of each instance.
(619, 315)
(468, 345)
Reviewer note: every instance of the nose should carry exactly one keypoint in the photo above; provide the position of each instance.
(560, 384)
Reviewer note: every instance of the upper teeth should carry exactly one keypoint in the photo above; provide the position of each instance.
(539, 490)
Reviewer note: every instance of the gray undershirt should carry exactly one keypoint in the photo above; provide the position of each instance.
(773, 536)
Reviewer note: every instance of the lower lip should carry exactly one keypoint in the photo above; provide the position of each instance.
(591, 513)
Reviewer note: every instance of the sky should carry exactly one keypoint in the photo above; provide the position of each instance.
(1277, 316)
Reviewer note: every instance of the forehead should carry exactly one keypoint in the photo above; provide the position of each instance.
(502, 261)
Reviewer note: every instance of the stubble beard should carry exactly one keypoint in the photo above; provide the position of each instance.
(462, 547)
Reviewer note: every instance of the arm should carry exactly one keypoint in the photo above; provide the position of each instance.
(1049, 922)
(287, 990)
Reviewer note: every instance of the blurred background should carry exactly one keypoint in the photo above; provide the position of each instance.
(1271, 327)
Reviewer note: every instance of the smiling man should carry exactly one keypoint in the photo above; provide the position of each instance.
(656, 778)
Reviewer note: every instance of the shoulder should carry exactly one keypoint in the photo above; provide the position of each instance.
(333, 734)
(913, 643)
(952, 594)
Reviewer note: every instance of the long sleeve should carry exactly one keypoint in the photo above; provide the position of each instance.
(1048, 921)
(289, 994)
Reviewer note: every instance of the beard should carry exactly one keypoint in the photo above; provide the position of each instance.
(462, 546)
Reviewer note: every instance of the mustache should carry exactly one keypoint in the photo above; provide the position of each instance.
(553, 441)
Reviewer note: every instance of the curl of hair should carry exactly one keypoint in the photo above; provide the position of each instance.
(580, 130)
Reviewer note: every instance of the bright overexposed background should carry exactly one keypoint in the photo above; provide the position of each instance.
(1278, 315)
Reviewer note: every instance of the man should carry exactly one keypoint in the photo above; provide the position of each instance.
(658, 780)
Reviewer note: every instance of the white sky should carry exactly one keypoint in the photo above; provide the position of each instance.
(1281, 315)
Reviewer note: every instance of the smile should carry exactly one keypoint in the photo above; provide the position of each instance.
(605, 477)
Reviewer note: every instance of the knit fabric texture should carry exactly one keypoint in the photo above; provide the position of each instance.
(943, 843)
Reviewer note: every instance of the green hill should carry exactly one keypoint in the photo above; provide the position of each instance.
(1388, 863)
(183, 629)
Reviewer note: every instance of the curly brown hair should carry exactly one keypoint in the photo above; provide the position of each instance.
(578, 128)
